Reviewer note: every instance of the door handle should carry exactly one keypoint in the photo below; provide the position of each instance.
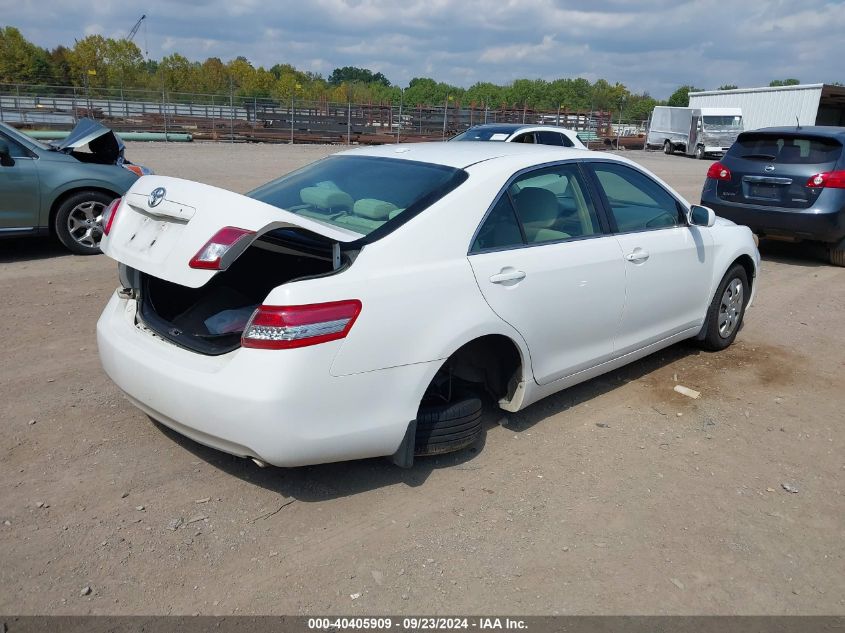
(507, 275)
(637, 256)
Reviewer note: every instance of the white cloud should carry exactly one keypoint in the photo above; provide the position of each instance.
(645, 44)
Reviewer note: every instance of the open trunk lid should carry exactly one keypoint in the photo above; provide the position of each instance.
(163, 222)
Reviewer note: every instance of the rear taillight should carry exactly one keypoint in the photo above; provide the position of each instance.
(222, 249)
(827, 179)
(109, 215)
(284, 327)
(718, 171)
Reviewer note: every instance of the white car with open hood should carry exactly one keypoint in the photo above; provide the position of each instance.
(370, 303)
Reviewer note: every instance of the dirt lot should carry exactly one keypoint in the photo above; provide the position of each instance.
(618, 496)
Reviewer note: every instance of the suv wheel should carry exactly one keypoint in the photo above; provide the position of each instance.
(837, 254)
(79, 221)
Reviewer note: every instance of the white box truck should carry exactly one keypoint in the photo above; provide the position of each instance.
(694, 131)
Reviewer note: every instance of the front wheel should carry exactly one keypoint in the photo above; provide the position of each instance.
(79, 221)
(667, 147)
(724, 317)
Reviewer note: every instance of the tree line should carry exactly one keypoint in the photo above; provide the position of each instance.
(99, 64)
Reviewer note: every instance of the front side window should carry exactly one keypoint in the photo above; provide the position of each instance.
(16, 150)
(360, 193)
(636, 202)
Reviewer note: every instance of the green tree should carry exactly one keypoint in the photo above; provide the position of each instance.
(680, 98)
(728, 87)
(352, 74)
(784, 82)
(22, 61)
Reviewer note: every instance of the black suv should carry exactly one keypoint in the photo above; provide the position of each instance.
(784, 182)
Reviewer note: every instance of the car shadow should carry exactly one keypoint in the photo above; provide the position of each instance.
(30, 248)
(330, 481)
(808, 254)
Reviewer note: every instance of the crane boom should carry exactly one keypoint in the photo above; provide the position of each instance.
(135, 28)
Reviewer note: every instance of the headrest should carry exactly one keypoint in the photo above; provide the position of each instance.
(536, 206)
(326, 198)
(373, 209)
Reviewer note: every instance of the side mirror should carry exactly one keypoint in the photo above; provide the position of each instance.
(701, 216)
(6, 159)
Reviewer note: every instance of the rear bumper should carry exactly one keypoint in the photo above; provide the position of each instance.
(806, 224)
(281, 406)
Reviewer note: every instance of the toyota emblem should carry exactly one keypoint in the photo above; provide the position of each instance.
(156, 196)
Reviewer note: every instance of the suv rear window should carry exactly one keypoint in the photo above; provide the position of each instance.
(786, 149)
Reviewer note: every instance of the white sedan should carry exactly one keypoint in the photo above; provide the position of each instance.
(522, 133)
(370, 303)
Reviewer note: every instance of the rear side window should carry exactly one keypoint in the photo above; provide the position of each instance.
(636, 202)
(542, 206)
(550, 138)
(786, 149)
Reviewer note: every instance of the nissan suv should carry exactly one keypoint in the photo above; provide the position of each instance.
(784, 183)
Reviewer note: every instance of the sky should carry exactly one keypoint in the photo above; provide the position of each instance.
(648, 45)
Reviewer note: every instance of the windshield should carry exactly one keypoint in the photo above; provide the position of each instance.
(723, 122)
(360, 193)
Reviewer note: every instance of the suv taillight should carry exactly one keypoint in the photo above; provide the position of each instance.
(284, 327)
(109, 215)
(827, 179)
(718, 171)
(222, 249)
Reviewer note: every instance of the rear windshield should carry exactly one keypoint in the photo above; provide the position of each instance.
(361, 193)
(786, 149)
(484, 134)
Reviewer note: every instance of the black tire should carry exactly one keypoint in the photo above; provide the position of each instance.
(448, 427)
(836, 254)
(78, 221)
(667, 148)
(716, 336)
(699, 152)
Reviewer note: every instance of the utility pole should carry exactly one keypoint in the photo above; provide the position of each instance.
(401, 99)
(445, 112)
(349, 123)
(231, 109)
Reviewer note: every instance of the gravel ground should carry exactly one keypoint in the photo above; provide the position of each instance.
(618, 496)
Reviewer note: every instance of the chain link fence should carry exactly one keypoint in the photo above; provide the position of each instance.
(250, 119)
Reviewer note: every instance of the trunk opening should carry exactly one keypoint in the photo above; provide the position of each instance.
(210, 319)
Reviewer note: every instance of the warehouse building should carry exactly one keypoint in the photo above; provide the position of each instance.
(806, 104)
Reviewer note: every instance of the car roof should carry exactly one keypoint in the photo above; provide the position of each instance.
(829, 131)
(512, 128)
(462, 155)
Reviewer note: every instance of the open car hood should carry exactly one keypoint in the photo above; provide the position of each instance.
(86, 131)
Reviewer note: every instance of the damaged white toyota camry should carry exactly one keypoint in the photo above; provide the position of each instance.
(369, 303)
